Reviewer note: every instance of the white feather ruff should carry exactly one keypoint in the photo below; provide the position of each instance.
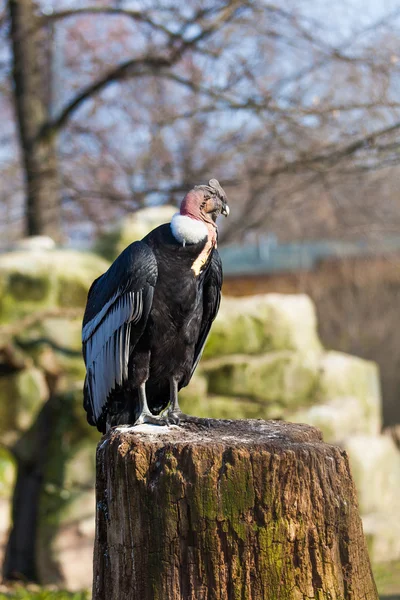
(187, 230)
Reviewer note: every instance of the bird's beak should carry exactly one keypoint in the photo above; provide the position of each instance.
(225, 210)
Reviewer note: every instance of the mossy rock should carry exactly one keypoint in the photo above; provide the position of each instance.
(387, 579)
(345, 376)
(229, 407)
(197, 389)
(338, 418)
(33, 281)
(264, 323)
(55, 345)
(66, 495)
(7, 473)
(22, 395)
(382, 531)
(375, 466)
(285, 378)
(131, 228)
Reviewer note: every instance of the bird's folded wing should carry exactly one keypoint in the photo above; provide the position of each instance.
(118, 306)
(211, 301)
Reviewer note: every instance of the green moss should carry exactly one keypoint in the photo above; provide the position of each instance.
(7, 473)
(69, 434)
(264, 323)
(22, 395)
(72, 292)
(34, 281)
(387, 578)
(287, 378)
(132, 227)
(229, 407)
(236, 490)
(27, 287)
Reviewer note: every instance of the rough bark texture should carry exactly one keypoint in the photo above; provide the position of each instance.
(31, 90)
(235, 510)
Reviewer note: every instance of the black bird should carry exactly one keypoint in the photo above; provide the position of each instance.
(148, 317)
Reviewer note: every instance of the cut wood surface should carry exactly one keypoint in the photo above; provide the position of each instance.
(227, 510)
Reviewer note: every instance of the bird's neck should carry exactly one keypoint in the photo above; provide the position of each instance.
(189, 230)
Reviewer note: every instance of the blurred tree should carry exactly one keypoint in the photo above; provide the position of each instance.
(32, 72)
(305, 100)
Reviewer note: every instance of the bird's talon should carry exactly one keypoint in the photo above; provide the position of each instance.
(151, 420)
(175, 417)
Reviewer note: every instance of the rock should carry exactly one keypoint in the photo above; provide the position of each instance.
(197, 388)
(347, 398)
(343, 375)
(55, 345)
(35, 243)
(7, 477)
(375, 464)
(264, 323)
(285, 378)
(45, 279)
(382, 531)
(131, 228)
(229, 407)
(338, 418)
(22, 395)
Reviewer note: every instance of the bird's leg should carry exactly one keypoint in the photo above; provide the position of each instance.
(174, 414)
(145, 415)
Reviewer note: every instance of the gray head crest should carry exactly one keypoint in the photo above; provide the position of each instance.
(213, 188)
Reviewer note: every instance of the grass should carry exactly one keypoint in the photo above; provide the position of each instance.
(387, 579)
(35, 593)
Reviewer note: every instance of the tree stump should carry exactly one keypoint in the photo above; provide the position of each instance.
(227, 510)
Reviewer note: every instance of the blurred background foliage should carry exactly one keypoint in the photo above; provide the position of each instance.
(110, 112)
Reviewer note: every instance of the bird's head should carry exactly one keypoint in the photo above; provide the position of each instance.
(205, 202)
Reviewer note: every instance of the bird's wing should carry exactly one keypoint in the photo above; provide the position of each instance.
(211, 301)
(116, 314)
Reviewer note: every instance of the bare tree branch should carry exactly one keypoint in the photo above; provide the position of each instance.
(147, 65)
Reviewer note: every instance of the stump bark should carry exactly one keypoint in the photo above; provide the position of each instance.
(227, 510)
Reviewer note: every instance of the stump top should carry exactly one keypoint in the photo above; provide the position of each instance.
(244, 432)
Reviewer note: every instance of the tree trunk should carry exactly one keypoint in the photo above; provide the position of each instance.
(225, 510)
(31, 455)
(31, 73)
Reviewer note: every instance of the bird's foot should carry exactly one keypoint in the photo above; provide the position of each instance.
(151, 419)
(177, 416)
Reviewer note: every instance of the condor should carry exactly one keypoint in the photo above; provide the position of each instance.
(148, 317)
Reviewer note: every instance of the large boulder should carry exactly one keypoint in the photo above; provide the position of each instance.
(53, 285)
(265, 323)
(375, 466)
(131, 228)
(285, 378)
(347, 398)
(34, 281)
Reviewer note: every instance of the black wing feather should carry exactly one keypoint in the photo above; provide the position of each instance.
(211, 302)
(116, 314)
